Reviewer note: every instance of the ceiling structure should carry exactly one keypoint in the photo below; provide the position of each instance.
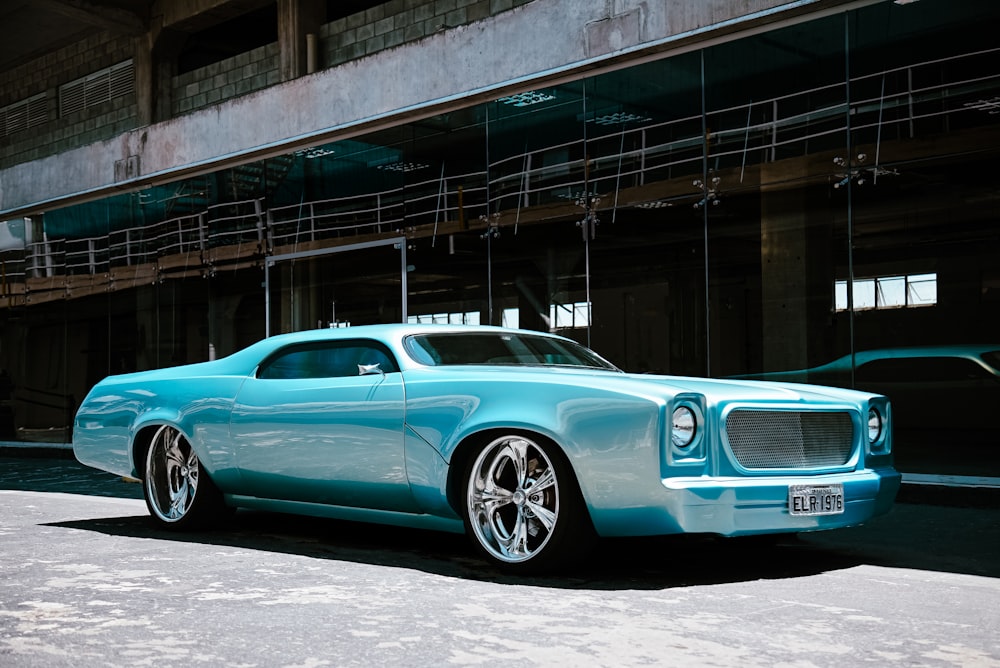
(32, 28)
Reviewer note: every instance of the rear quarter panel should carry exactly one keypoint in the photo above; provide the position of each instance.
(119, 407)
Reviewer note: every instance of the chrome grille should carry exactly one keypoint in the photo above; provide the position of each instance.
(789, 439)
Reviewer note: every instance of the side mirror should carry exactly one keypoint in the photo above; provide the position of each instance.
(370, 369)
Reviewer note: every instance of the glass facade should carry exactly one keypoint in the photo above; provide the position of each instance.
(815, 203)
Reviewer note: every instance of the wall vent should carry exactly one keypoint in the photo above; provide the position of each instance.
(97, 88)
(23, 115)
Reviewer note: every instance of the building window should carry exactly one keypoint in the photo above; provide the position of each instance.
(569, 316)
(887, 292)
(465, 318)
(97, 88)
(23, 115)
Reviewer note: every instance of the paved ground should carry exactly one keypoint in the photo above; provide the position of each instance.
(59, 472)
(85, 580)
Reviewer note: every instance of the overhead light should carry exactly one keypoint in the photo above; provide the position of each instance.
(526, 99)
(315, 152)
(578, 196)
(903, 2)
(614, 115)
(403, 166)
(620, 118)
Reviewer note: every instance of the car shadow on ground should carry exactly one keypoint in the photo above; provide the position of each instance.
(634, 563)
(959, 540)
(956, 539)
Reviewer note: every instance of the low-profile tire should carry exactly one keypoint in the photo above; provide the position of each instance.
(178, 493)
(522, 507)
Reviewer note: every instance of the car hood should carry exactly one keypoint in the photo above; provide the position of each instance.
(660, 387)
(750, 391)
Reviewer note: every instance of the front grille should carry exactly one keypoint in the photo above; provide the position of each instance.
(789, 439)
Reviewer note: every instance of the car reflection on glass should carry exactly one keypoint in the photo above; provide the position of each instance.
(942, 397)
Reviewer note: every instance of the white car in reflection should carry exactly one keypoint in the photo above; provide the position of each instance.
(943, 397)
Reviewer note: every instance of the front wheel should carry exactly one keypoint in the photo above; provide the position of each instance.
(522, 507)
(178, 493)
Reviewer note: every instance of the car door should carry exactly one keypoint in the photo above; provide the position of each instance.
(323, 423)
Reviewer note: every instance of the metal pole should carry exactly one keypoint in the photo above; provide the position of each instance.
(267, 298)
(403, 267)
(704, 180)
(850, 187)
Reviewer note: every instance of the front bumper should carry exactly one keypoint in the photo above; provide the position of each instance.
(744, 506)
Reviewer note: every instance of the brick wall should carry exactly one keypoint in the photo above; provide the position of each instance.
(398, 22)
(382, 27)
(47, 74)
(226, 79)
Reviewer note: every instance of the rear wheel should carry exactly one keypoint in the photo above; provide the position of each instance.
(178, 493)
(522, 507)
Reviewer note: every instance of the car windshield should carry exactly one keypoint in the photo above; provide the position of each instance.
(501, 348)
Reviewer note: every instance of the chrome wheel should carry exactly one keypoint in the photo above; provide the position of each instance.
(179, 494)
(172, 472)
(513, 500)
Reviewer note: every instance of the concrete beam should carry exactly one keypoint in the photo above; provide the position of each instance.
(194, 15)
(112, 19)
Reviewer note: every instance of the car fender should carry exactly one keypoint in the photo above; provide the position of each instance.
(611, 438)
(203, 419)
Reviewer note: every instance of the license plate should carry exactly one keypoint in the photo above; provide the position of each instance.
(816, 499)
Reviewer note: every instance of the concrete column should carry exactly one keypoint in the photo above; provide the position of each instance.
(796, 279)
(155, 62)
(296, 20)
(142, 61)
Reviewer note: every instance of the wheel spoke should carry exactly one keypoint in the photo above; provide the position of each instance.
(179, 501)
(493, 498)
(516, 452)
(175, 442)
(541, 483)
(192, 472)
(545, 516)
(515, 544)
(172, 455)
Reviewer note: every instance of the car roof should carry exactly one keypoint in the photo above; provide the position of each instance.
(390, 332)
(958, 350)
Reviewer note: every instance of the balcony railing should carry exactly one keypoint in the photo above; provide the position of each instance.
(928, 98)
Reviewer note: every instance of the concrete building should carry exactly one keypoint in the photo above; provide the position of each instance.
(767, 188)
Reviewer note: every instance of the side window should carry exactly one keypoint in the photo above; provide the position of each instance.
(335, 359)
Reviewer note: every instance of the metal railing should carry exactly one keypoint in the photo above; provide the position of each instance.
(925, 98)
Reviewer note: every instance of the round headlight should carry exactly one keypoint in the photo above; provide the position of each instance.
(874, 425)
(684, 424)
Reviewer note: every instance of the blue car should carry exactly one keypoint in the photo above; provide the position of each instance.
(528, 442)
